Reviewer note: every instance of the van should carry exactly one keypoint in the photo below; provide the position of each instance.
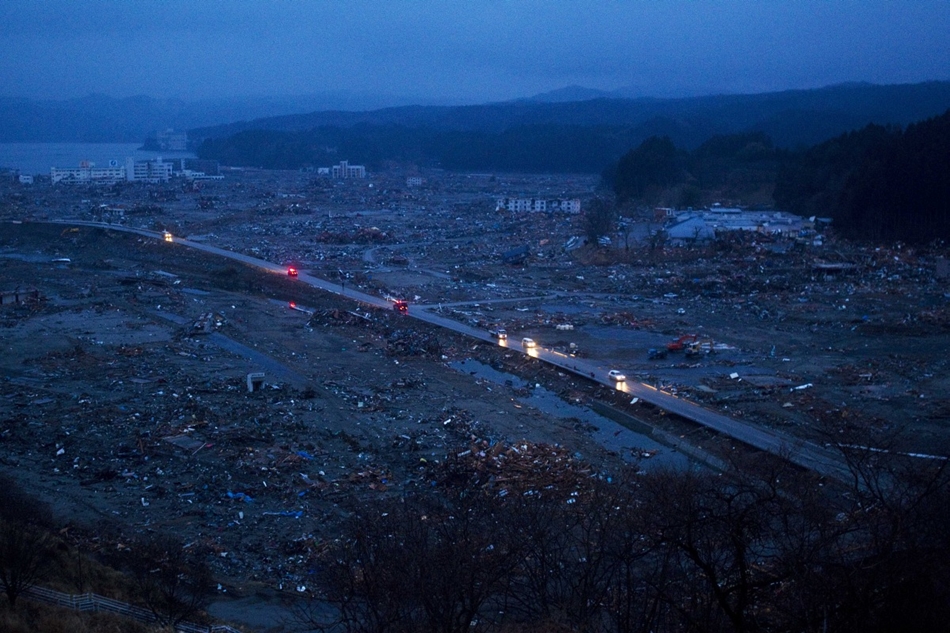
(528, 343)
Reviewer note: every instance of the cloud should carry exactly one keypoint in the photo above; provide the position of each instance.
(482, 49)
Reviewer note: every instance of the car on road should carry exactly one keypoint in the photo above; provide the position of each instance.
(528, 343)
(291, 271)
(616, 375)
(401, 307)
(167, 236)
(500, 334)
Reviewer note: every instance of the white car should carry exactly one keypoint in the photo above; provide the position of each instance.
(528, 343)
(616, 375)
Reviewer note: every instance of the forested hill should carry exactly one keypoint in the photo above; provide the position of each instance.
(99, 118)
(881, 184)
(579, 136)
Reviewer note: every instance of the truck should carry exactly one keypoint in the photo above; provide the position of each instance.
(681, 343)
(401, 306)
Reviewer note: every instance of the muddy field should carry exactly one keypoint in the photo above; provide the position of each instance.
(124, 396)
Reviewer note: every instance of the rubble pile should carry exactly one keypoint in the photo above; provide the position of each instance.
(339, 317)
(411, 342)
(208, 322)
(371, 235)
(623, 318)
(520, 468)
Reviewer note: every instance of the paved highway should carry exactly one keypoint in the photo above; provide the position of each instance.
(805, 454)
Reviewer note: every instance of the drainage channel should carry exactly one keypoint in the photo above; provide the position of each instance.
(634, 443)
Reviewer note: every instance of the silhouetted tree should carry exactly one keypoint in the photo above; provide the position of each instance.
(172, 583)
(893, 567)
(762, 546)
(600, 216)
(25, 542)
(655, 163)
(421, 565)
(735, 162)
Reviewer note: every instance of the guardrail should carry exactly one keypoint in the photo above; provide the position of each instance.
(95, 602)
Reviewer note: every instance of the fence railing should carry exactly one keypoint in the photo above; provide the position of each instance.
(95, 602)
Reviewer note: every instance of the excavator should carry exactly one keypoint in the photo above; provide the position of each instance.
(700, 346)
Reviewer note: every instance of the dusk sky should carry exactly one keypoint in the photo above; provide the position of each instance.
(463, 51)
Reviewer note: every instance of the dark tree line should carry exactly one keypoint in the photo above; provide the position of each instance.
(878, 184)
(755, 549)
(530, 147)
(726, 165)
(654, 164)
(735, 161)
(540, 148)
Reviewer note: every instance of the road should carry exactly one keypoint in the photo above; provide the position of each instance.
(805, 454)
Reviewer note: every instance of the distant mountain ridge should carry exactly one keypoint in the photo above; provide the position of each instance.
(562, 137)
(101, 119)
(575, 93)
(791, 118)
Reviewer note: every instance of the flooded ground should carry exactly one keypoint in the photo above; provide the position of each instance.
(633, 447)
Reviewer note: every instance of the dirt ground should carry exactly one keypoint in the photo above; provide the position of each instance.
(124, 396)
(119, 407)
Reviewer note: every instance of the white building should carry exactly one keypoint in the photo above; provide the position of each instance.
(88, 173)
(572, 205)
(133, 170)
(691, 229)
(346, 170)
(694, 226)
(148, 170)
(172, 141)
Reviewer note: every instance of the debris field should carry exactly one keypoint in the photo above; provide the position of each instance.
(125, 396)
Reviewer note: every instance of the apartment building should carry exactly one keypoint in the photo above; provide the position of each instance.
(133, 170)
(88, 173)
(572, 205)
(346, 170)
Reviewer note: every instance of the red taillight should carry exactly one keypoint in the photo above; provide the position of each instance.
(293, 305)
